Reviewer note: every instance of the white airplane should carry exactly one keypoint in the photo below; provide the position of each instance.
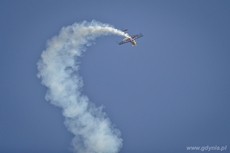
(130, 38)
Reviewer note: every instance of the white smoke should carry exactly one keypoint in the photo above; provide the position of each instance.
(58, 70)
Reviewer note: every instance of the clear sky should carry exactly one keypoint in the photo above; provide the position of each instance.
(170, 91)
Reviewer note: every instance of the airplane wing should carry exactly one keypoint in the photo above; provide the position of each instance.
(126, 40)
(137, 36)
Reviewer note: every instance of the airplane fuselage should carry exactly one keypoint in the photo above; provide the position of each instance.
(133, 42)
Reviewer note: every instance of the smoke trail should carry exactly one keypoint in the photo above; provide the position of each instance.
(58, 70)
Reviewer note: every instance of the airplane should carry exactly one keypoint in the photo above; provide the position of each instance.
(130, 38)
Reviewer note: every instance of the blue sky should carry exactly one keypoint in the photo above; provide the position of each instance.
(170, 91)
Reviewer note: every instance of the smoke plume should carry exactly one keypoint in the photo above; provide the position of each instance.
(58, 69)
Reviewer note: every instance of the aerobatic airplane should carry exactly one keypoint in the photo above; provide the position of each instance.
(130, 38)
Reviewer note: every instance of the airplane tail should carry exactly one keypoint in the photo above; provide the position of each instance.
(125, 30)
